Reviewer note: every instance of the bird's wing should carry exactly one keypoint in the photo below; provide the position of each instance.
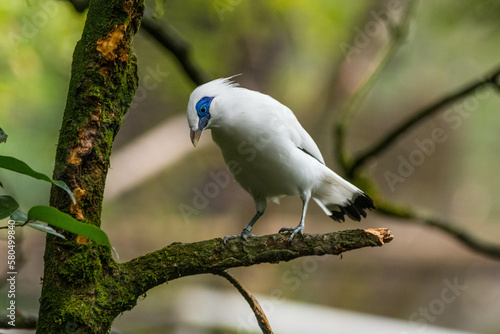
(300, 137)
(308, 145)
(268, 113)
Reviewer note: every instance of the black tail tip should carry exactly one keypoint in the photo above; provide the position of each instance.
(355, 209)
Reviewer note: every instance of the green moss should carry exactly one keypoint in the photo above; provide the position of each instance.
(79, 268)
(81, 301)
(82, 289)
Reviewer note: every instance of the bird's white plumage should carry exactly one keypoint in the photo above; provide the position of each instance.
(269, 152)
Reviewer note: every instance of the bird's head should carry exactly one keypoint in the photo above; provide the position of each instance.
(199, 115)
(203, 108)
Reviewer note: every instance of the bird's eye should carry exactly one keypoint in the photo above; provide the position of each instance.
(203, 106)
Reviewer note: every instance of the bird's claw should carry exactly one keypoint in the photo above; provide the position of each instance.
(229, 237)
(244, 235)
(295, 230)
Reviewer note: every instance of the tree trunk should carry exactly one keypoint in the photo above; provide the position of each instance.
(77, 282)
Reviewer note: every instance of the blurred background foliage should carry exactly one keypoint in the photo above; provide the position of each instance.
(291, 51)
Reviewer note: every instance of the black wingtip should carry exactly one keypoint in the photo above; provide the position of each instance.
(338, 215)
(355, 209)
(364, 201)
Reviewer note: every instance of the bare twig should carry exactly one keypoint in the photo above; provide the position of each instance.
(251, 300)
(485, 248)
(398, 33)
(405, 126)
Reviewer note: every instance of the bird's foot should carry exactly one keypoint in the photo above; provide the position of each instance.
(295, 230)
(244, 235)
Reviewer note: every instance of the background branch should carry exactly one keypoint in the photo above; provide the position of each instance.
(179, 48)
(398, 33)
(485, 248)
(405, 126)
(351, 166)
(251, 300)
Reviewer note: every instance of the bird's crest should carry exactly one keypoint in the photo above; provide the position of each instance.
(207, 92)
(217, 86)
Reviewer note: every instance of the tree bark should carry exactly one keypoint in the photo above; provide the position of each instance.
(212, 256)
(77, 282)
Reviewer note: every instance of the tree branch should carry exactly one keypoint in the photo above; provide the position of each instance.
(179, 48)
(351, 166)
(405, 126)
(212, 256)
(483, 247)
(399, 33)
(251, 300)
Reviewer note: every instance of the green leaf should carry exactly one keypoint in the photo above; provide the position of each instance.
(44, 228)
(21, 167)
(19, 216)
(7, 206)
(62, 220)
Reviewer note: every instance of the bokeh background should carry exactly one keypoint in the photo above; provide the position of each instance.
(294, 51)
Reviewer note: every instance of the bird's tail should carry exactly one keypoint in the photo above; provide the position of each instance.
(338, 198)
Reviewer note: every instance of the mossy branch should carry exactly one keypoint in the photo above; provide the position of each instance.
(211, 256)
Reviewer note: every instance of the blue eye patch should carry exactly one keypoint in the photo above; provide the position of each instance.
(203, 107)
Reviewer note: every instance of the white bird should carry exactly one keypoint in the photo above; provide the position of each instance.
(269, 153)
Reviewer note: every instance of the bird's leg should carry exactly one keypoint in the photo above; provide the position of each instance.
(246, 231)
(300, 227)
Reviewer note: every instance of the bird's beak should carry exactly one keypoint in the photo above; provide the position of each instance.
(195, 137)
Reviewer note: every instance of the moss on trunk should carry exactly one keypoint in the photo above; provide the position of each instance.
(78, 275)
